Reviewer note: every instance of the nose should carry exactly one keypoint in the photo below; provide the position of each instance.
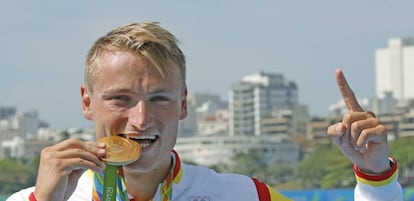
(139, 116)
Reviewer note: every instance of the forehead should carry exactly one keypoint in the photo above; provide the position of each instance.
(118, 61)
(126, 66)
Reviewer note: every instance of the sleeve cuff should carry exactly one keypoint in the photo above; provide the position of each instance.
(378, 180)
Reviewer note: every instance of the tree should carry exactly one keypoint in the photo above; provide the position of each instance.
(253, 164)
(402, 150)
(14, 176)
(326, 167)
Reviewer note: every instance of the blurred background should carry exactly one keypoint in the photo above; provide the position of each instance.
(236, 51)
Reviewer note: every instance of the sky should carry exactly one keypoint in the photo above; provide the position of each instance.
(43, 45)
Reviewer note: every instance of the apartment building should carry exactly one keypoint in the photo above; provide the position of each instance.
(394, 67)
(256, 98)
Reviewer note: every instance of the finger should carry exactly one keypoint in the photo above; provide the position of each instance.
(338, 133)
(352, 117)
(347, 93)
(335, 134)
(75, 143)
(348, 121)
(69, 162)
(96, 148)
(358, 127)
(80, 154)
(74, 164)
(374, 134)
(69, 143)
(337, 129)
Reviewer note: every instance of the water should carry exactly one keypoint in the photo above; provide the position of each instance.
(334, 194)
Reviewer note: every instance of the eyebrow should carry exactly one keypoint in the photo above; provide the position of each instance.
(151, 91)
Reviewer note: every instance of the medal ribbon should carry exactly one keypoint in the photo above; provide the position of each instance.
(166, 186)
(109, 186)
(106, 183)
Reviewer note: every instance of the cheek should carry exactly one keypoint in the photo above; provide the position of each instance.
(108, 120)
(169, 117)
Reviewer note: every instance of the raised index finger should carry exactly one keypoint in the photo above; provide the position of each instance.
(347, 93)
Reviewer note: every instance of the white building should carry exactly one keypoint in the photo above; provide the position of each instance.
(395, 68)
(386, 105)
(204, 115)
(214, 150)
(339, 108)
(256, 97)
(13, 148)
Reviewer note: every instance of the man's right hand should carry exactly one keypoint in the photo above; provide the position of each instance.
(62, 164)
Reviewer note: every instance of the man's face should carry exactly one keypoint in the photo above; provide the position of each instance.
(131, 97)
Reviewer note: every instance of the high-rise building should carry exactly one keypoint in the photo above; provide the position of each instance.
(255, 98)
(6, 112)
(395, 68)
(200, 107)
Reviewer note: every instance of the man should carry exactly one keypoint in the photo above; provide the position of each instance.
(135, 86)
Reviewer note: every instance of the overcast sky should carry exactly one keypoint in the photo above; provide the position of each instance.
(43, 45)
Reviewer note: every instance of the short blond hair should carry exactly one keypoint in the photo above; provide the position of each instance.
(150, 40)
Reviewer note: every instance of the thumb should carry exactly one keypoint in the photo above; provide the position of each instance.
(336, 132)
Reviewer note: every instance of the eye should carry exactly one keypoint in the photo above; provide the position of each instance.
(160, 99)
(122, 98)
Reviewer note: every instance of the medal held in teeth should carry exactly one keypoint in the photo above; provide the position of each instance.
(120, 151)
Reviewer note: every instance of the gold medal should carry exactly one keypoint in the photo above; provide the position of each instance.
(120, 151)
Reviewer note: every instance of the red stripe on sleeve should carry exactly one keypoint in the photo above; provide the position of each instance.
(32, 197)
(262, 190)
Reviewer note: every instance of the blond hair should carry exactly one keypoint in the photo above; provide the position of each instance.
(150, 40)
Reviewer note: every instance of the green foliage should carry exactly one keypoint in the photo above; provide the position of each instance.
(254, 165)
(15, 175)
(402, 150)
(326, 167)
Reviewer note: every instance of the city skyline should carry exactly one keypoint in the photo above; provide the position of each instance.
(44, 45)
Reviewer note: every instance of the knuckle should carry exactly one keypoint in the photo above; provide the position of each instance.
(376, 121)
(364, 133)
(381, 128)
(46, 152)
(355, 126)
(371, 114)
(58, 163)
(79, 151)
(347, 117)
(73, 140)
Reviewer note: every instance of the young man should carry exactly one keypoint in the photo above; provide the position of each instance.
(135, 85)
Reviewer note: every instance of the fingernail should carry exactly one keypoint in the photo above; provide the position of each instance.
(101, 151)
(100, 144)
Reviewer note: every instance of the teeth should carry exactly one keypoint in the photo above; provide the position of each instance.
(143, 140)
(143, 145)
(148, 137)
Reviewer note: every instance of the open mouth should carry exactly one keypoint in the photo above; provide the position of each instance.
(143, 140)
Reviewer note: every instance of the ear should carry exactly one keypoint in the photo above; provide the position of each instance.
(183, 113)
(86, 103)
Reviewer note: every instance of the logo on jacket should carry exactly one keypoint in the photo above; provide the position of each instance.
(199, 198)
